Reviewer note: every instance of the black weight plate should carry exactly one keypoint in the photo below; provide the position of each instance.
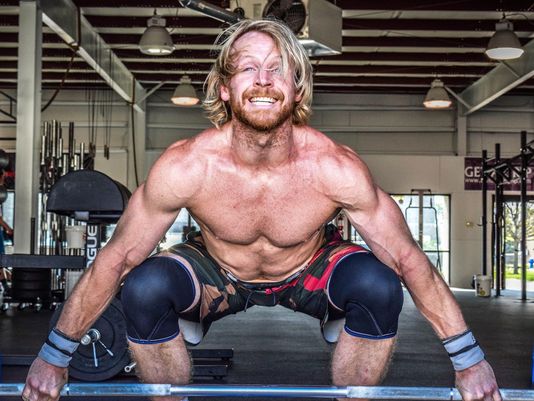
(32, 285)
(112, 328)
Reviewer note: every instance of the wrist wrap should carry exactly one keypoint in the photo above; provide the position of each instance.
(463, 349)
(58, 349)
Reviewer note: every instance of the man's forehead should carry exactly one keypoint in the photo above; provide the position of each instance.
(251, 43)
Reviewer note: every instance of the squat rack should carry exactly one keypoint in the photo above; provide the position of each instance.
(501, 171)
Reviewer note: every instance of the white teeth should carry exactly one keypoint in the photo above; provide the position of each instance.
(262, 100)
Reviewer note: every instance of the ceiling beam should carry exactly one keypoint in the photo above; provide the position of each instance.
(475, 5)
(500, 80)
(66, 20)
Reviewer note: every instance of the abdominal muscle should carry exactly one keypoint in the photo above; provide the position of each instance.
(261, 260)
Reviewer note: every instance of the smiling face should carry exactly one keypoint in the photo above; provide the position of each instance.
(262, 91)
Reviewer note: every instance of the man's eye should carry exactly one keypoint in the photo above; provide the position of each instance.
(249, 69)
(275, 70)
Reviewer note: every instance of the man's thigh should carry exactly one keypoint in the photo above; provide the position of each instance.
(309, 294)
(218, 295)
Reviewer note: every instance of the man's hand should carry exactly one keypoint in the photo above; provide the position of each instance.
(478, 383)
(44, 381)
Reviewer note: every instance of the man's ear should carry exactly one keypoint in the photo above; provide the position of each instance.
(225, 93)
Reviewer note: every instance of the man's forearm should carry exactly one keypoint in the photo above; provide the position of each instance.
(436, 302)
(434, 299)
(90, 298)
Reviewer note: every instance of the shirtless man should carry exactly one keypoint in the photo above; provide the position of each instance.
(262, 185)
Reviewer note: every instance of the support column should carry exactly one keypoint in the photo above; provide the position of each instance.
(28, 122)
(137, 147)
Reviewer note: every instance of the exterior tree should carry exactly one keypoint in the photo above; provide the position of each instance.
(512, 216)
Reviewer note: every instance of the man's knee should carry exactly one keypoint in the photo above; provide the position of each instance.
(153, 295)
(369, 293)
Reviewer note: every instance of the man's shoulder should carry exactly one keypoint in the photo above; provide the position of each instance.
(334, 163)
(185, 163)
(326, 149)
(203, 143)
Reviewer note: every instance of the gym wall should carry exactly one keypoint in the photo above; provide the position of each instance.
(405, 146)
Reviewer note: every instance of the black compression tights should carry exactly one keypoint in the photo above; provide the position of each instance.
(369, 293)
(152, 296)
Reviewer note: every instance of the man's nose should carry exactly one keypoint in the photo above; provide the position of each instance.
(264, 77)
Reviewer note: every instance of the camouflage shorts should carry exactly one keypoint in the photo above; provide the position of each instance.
(222, 295)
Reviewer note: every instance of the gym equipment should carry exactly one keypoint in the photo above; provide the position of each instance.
(88, 195)
(103, 352)
(502, 171)
(17, 260)
(378, 393)
(85, 195)
(207, 363)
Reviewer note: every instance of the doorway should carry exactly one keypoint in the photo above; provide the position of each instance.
(429, 225)
(511, 253)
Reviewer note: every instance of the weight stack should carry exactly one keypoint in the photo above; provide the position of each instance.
(29, 284)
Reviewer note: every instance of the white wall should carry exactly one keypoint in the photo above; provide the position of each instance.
(442, 175)
(405, 146)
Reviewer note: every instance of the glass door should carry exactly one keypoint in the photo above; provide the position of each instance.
(511, 248)
(428, 217)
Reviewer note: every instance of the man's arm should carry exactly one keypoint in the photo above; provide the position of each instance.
(381, 224)
(151, 210)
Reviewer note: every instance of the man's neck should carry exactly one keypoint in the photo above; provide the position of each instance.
(269, 148)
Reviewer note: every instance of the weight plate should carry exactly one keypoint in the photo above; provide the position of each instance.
(112, 328)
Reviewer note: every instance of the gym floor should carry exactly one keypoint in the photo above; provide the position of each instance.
(278, 346)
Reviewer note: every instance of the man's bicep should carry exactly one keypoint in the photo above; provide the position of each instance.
(143, 224)
(381, 224)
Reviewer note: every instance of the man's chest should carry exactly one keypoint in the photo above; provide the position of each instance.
(285, 209)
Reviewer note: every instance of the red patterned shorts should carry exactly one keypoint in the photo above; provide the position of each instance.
(304, 292)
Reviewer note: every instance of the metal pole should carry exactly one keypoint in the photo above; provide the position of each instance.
(524, 167)
(498, 223)
(421, 216)
(154, 390)
(484, 212)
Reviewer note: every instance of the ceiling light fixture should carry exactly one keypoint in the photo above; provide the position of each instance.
(437, 97)
(156, 40)
(185, 94)
(504, 44)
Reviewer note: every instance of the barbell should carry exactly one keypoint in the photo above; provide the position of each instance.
(372, 392)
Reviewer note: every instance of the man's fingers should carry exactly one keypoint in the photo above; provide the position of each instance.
(497, 395)
(26, 392)
(54, 394)
(41, 395)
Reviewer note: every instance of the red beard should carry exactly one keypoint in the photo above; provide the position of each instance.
(261, 120)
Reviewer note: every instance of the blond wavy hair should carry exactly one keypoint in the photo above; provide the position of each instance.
(293, 54)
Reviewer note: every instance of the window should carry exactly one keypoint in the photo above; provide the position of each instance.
(433, 234)
(183, 224)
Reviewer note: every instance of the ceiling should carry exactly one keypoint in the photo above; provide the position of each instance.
(388, 46)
